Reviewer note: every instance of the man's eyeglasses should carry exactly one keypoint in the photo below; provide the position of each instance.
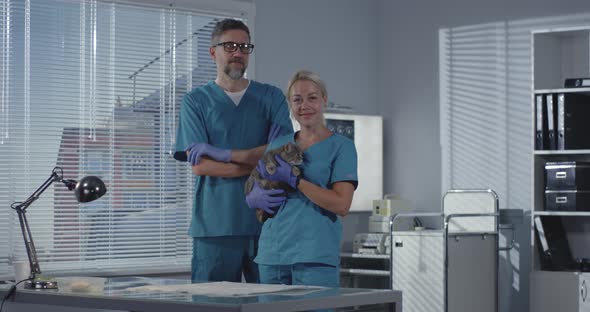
(229, 46)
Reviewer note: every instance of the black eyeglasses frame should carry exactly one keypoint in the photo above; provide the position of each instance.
(230, 46)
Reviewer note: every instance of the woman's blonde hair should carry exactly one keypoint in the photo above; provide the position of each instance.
(309, 76)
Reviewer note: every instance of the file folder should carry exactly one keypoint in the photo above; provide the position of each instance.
(573, 126)
(551, 122)
(540, 122)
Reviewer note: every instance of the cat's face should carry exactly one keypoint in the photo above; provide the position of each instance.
(292, 154)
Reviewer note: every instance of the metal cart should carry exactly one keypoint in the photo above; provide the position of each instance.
(454, 268)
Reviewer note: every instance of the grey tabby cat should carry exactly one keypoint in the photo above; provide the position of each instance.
(292, 154)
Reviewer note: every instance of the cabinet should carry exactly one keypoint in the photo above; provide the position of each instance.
(567, 291)
(560, 216)
(418, 269)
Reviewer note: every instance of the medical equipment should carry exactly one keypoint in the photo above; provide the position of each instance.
(389, 205)
(369, 243)
(383, 209)
(378, 224)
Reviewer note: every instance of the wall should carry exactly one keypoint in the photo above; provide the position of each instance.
(337, 39)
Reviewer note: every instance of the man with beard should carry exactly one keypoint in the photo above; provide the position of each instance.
(223, 130)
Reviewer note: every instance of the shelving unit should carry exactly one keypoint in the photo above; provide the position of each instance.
(363, 256)
(565, 152)
(558, 54)
(364, 270)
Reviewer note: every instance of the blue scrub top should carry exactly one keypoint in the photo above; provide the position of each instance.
(208, 115)
(301, 231)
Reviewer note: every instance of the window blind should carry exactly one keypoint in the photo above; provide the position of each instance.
(95, 88)
(474, 125)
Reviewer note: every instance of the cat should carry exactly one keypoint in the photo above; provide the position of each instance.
(292, 154)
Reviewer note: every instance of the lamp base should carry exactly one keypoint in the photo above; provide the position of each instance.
(41, 284)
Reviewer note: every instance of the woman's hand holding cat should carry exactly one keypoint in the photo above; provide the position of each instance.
(284, 172)
(198, 150)
(264, 199)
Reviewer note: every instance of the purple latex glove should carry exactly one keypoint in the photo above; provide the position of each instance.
(264, 199)
(198, 150)
(284, 172)
(275, 131)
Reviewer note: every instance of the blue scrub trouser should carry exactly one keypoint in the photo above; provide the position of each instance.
(225, 258)
(311, 274)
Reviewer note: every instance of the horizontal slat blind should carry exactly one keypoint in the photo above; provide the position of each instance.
(474, 124)
(95, 88)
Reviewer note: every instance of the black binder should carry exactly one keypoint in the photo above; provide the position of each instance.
(541, 141)
(573, 127)
(551, 121)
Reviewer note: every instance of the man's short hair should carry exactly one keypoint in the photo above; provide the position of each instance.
(228, 24)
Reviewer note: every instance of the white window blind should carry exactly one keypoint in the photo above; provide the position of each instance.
(486, 106)
(95, 89)
(474, 71)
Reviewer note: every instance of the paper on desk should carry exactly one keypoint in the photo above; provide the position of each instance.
(227, 289)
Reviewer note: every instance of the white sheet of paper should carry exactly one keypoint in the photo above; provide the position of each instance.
(227, 289)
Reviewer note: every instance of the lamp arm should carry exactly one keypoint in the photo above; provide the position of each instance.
(21, 209)
(29, 244)
(52, 178)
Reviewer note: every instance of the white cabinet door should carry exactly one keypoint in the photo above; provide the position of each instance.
(560, 291)
(584, 297)
(418, 270)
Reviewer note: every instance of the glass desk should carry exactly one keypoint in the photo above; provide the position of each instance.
(116, 296)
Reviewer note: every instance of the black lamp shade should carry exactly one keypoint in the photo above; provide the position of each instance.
(89, 188)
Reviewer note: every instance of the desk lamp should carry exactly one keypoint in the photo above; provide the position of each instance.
(88, 189)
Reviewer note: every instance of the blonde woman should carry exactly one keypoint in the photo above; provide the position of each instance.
(300, 244)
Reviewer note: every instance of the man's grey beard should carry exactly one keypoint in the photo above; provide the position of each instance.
(234, 74)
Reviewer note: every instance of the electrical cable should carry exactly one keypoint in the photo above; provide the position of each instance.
(11, 291)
